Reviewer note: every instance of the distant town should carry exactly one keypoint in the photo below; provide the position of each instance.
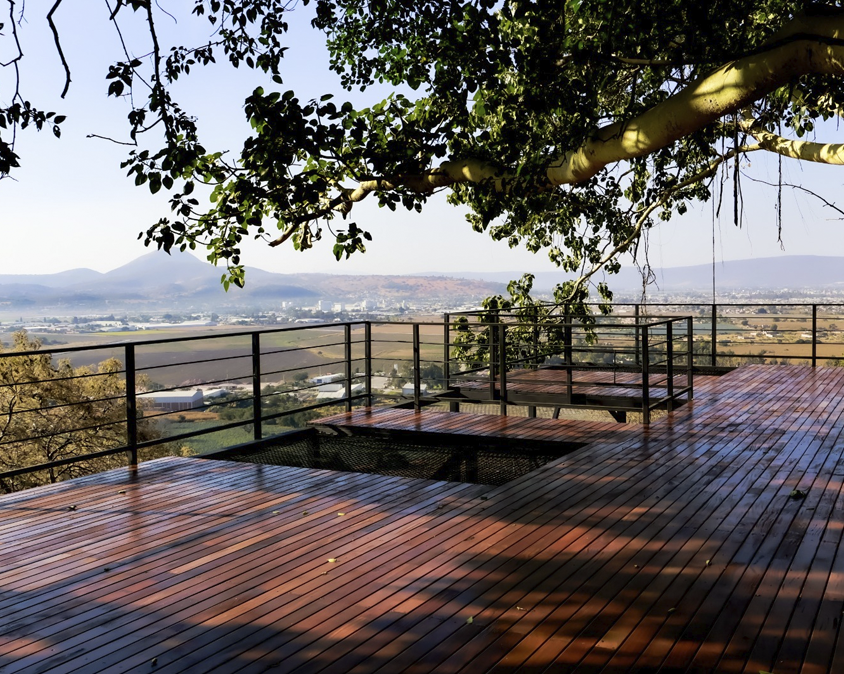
(376, 309)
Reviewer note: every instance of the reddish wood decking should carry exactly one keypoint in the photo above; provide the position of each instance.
(604, 383)
(676, 547)
(478, 425)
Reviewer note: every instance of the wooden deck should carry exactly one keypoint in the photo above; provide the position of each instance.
(460, 425)
(606, 387)
(674, 548)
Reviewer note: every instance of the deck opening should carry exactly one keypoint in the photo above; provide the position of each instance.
(451, 459)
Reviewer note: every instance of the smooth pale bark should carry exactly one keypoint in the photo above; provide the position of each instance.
(823, 153)
(728, 89)
(809, 48)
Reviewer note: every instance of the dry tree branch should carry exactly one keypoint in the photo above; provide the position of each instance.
(59, 46)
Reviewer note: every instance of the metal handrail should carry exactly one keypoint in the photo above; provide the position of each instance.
(635, 340)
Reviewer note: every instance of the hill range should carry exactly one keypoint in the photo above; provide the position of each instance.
(792, 272)
(185, 280)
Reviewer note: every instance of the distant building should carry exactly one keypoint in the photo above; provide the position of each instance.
(339, 307)
(407, 389)
(211, 393)
(324, 305)
(174, 401)
(327, 378)
(336, 391)
(368, 305)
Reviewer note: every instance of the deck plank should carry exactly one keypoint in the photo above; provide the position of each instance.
(594, 562)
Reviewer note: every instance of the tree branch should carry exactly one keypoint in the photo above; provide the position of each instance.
(824, 153)
(59, 46)
(645, 213)
(806, 45)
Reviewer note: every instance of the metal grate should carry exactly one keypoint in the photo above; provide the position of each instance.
(468, 461)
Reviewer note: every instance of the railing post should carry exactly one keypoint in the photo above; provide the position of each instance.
(646, 374)
(714, 329)
(347, 347)
(638, 345)
(256, 386)
(690, 346)
(446, 351)
(131, 404)
(367, 358)
(814, 335)
(493, 359)
(535, 360)
(502, 367)
(417, 390)
(669, 355)
(567, 343)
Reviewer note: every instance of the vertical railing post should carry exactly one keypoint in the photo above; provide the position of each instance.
(446, 351)
(493, 358)
(690, 363)
(256, 386)
(453, 406)
(646, 374)
(535, 360)
(347, 356)
(567, 343)
(669, 355)
(814, 335)
(502, 367)
(367, 358)
(714, 329)
(417, 389)
(131, 404)
(638, 345)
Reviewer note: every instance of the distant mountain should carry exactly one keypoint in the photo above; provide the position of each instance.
(59, 280)
(183, 279)
(789, 271)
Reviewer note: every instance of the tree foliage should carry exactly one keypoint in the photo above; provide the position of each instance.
(50, 411)
(566, 127)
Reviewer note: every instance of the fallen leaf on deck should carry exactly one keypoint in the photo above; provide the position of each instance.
(71, 507)
(797, 494)
(470, 620)
(340, 514)
(332, 560)
(122, 491)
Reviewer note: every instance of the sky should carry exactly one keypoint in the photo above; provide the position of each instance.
(71, 206)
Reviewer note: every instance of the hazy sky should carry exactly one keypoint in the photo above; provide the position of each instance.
(71, 205)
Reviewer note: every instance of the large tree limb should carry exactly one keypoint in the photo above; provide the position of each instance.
(806, 45)
(824, 153)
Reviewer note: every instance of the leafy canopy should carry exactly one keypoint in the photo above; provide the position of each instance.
(565, 127)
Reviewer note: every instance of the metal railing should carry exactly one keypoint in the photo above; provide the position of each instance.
(730, 334)
(81, 418)
(621, 366)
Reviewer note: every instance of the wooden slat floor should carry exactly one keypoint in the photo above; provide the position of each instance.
(674, 548)
(476, 425)
(548, 381)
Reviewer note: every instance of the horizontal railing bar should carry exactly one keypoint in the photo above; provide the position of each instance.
(62, 462)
